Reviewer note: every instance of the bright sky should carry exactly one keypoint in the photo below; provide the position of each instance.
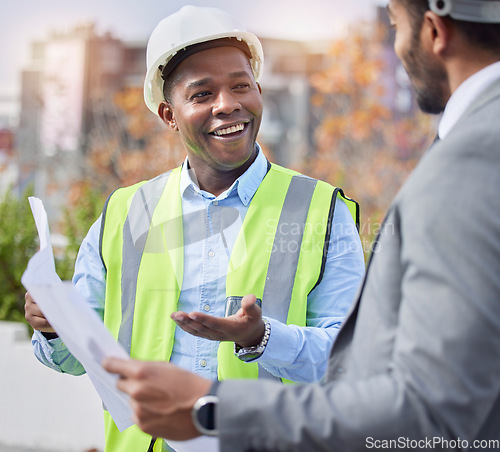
(23, 21)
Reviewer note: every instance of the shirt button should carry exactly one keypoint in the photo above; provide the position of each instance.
(203, 363)
(216, 203)
(211, 253)
(206, 307)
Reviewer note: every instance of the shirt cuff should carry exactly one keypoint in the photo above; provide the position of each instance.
(282, 347)
(45, 348)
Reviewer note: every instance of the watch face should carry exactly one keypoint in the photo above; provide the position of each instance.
(249, 356)
(203, 415)
(206, 416)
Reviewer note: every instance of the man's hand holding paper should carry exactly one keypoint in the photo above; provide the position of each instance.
(64, 309)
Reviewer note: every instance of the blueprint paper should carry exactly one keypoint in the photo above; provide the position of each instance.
(76, 323)
(203, 443)
(83, 331)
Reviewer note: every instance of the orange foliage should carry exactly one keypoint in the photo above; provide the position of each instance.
(135, 147)
(361, 145)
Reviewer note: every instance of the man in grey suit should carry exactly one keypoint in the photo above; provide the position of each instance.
(416, 364)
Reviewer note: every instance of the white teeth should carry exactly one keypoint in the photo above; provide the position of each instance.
(233, 129)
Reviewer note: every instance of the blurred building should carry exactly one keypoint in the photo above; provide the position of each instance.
(288, 124)
(66, 92)
(69, 85)
(399, 96)
(8, 166)
(8, 108)
(72, 78)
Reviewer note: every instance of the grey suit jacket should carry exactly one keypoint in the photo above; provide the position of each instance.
(417, 361)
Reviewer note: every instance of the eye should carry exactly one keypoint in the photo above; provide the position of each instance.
(200, 95)
(241, 86)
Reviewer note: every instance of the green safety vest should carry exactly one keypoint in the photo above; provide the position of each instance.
(279, 255)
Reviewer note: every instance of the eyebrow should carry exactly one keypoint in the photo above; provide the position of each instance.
(204, 81)
(198, 83)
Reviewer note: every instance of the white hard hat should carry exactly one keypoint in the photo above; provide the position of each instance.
(468, 10)
(192, 25)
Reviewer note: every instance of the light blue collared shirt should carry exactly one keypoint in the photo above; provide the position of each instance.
(293, 352)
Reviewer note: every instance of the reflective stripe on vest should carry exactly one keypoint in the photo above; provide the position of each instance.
(135, 233)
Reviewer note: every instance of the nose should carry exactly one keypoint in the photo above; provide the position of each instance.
(225, 103)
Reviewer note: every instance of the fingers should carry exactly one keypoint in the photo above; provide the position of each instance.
(161, 395)
(34, 315)
(202, 325)
(243, 326)
(123, 367)
(133, 375)
(31, 307)
(250, 307)
(197, 321)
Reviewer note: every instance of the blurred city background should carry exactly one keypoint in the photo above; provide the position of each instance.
(73, 127)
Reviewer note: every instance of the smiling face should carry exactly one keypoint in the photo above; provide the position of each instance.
(216, 106)
(426, 72)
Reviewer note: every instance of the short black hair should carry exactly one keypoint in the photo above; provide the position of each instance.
(168, 85)
(481, 35)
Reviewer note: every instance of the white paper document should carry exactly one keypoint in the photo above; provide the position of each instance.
(76, 323)
(83, 331)
(203, 443)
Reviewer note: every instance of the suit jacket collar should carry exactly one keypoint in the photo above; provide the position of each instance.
(489, 94)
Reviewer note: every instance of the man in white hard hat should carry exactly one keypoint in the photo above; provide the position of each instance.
(186, 246)
(416, 365)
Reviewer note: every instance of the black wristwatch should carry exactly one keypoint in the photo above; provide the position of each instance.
(204, 415)
(49, 336)
(203, 412)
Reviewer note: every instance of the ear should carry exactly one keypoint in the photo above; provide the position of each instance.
(166, 113)
(436, 30)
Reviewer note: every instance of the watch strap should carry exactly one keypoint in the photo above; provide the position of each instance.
(249, 354)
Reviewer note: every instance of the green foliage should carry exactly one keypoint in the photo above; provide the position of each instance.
(77, 218)
(18, 243)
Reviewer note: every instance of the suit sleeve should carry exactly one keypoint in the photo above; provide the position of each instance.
(440, 379)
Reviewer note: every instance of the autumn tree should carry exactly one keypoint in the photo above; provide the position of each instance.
(84, 205)
(129, 144)
(362, 145)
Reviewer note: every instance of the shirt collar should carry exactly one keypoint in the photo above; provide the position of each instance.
(245, 186)
(465, 95)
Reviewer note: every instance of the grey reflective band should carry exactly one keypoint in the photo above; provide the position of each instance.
(467, 10)
(286, 251)
(286, 248)
(135, 232)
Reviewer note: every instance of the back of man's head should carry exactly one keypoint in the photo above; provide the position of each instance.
(477, 20)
